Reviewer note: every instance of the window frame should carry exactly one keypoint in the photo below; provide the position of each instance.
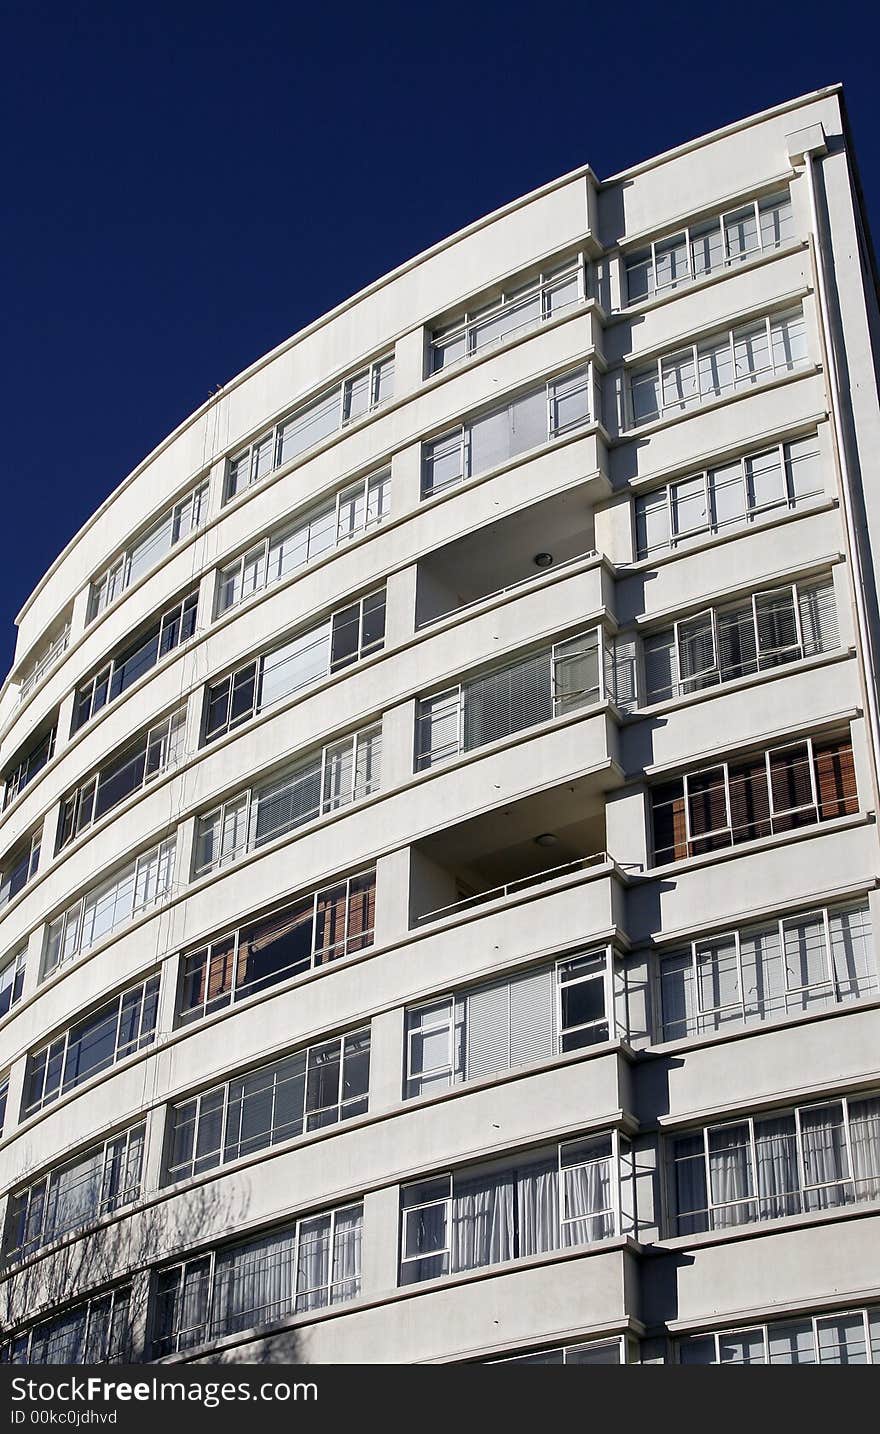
(740, 379)
(762, 204)
(185, 516)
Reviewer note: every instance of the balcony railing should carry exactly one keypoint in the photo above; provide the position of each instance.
(523, 883)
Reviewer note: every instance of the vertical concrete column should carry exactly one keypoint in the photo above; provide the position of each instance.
(216, 485)
(392, 896)
(862, 763)
(185, 853)
(386, 1060)
(167, 1009)
(409, 361)
(406, 480)
(400, 606)
(379, 1259)
(614, 530)
(15, 1094)
(139, 1310)
(841, 576)
(49, 835)
(34, 960)
(155, 1149)
(65, 717)
(80, 612)
(626, 827)
(398, 736)
(207, 598)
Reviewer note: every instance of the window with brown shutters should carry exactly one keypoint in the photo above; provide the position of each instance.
(670, 831)
(749, 800)
(791, 787)
(836, 780)
(756, 796)
(707, 810)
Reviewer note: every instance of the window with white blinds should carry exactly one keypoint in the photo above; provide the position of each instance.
(719, 644)
(525, 421)
(774, 968)
(569, 675)
(507, 1023)
(341, 773)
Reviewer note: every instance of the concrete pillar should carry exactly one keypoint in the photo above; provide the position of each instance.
(392, 896)
(398, 736)
(386, 1060)
(380, 1259)
(400, 606)
(406, 480)
(409, 361)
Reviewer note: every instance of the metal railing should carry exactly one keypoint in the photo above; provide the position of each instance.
(497, 893)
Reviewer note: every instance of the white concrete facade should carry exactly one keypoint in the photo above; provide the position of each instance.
(593, 837)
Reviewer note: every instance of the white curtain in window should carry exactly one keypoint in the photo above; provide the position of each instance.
(483, 1221)
(777, 1169)
(864, 1134)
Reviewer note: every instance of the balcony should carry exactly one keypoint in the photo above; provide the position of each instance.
(528, 546)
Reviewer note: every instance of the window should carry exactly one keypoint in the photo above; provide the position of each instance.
(569, 675)
(308, 1265)
(315, 1088)
(49, 654)
(816, 1157)
(175, 525)
(127, 771)
(845, 1337)
(523, 422)
(77, 1193)
(349, 635)
(25, 768)
(750, 635)
(97, 1332)
(115, 1030)
(12, 981)
(604, 1351)
(361, 506)
(730, 496)
(169, 631)
(517, 309)
(4, 1097)
(717, 365)
(20, 866)
(753, 796)
(137, 886)
(323, 782)
(310, 424)
(776, 968)
(493, 1028)
(309, 932)
(701, 249)
(551, 1199)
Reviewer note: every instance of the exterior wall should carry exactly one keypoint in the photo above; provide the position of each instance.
(580, 779)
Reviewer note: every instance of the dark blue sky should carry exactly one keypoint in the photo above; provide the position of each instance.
(186, 183)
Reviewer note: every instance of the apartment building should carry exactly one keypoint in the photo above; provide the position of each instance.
(438, 851)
